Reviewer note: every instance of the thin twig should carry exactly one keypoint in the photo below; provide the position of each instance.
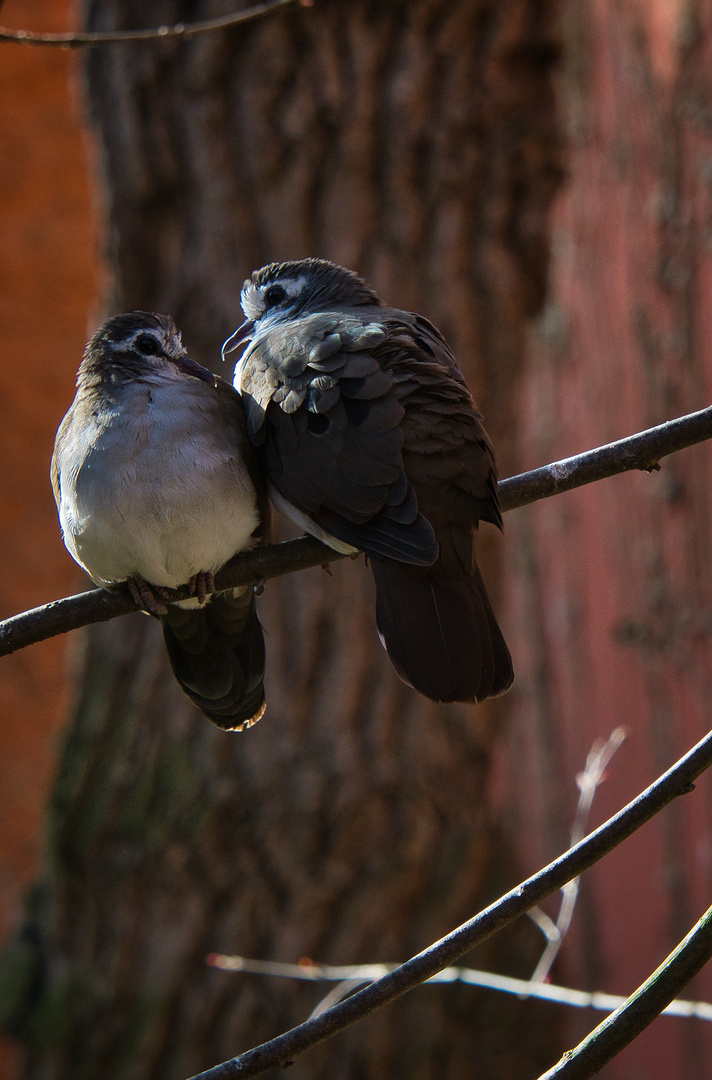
(182, 30)
(641, 1008)
(275, 1054)
(360, 974)
(641, 451)
(597, 761)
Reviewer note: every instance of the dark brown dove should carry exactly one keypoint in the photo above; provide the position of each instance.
(371, 441)
(156, 485)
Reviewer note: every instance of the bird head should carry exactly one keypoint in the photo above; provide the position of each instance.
(281, 292)
(135, 345)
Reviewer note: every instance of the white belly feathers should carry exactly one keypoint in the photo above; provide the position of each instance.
(156, 494)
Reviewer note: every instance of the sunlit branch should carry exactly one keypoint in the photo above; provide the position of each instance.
(362, 974)
(597, 761)
(275, 1054)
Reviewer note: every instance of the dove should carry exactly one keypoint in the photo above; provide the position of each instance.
(370, 440)
(157, 486)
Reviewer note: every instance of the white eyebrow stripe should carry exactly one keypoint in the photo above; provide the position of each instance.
(292, 286)
(252, 297)
(131, 339)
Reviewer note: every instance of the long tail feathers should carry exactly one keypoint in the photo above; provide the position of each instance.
(441, 634)
(218, 656)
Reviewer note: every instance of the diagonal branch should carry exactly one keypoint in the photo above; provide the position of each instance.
(280, 1051)
(182, 30)
(641, 451)
(641, 1008)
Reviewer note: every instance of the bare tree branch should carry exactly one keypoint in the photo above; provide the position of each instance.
(641, 1008)
(280, 1051)
(641, 451)
(99, 605)
(361, 974)
(182, 30)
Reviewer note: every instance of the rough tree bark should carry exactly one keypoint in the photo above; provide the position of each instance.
(416, 142)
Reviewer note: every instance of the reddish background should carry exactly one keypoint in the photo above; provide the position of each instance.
(610, 609)
(48, 270)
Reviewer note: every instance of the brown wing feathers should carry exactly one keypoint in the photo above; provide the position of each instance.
(374, 435)
(441, 634)
(436, 622)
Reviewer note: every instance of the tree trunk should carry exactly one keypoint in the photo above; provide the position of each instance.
(611, 586)
(417, 143)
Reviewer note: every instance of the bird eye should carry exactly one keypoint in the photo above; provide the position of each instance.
(275, 295)
(147, 344)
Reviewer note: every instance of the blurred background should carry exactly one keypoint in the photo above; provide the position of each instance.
(535, 177)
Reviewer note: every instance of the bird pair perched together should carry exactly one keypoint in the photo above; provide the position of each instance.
(353, 415)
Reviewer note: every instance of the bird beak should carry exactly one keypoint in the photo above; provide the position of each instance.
(189, 367)
(241, 335)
